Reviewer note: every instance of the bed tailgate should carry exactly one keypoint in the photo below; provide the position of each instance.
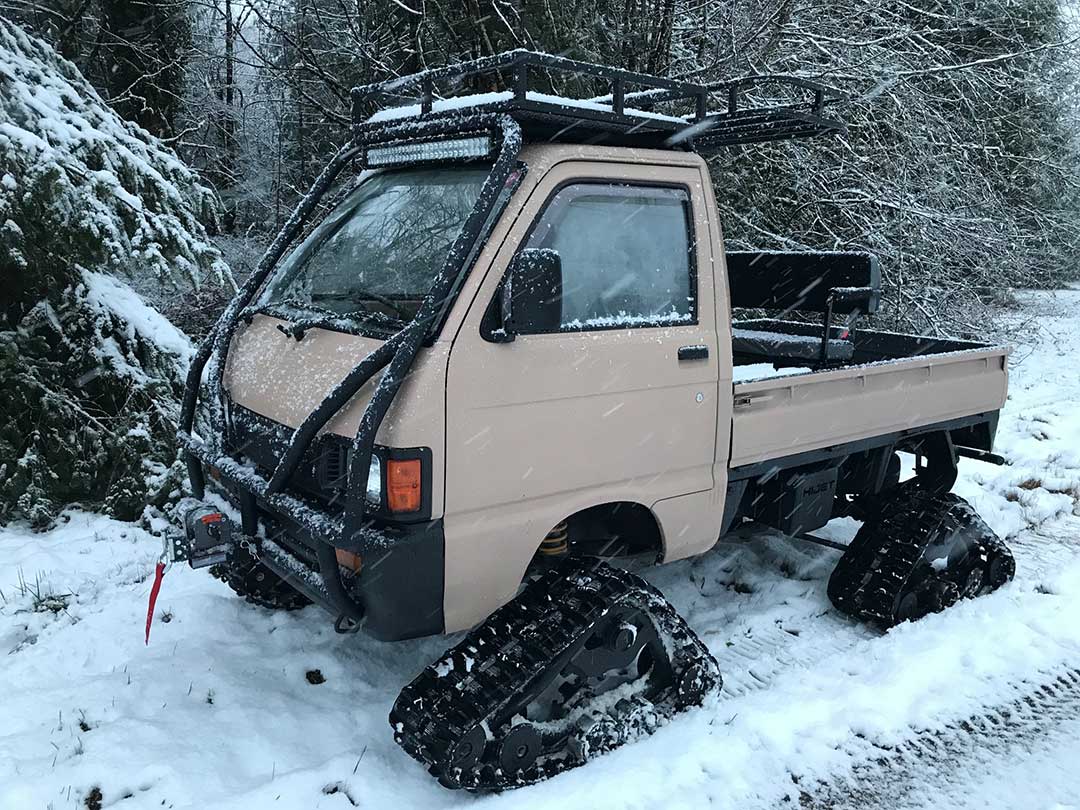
(783, 416)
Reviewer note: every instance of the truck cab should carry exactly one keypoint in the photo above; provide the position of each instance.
(611, 394)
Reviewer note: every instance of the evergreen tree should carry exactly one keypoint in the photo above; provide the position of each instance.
(90, 376)
(134, 52)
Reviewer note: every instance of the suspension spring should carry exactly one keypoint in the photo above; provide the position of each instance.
(557, 540)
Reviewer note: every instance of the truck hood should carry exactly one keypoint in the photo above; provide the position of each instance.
(285, 379)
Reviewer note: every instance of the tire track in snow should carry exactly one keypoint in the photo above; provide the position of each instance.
(930, 759)
(906, 773)
(752, 663)
(1046, 547)
(1028, 711)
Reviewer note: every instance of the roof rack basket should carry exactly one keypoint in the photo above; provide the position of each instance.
(626, 113)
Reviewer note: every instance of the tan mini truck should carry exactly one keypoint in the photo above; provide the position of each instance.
(490, 362)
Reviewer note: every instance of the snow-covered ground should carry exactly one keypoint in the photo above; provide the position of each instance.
(977, 707)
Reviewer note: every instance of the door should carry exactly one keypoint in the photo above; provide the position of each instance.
(600, 407)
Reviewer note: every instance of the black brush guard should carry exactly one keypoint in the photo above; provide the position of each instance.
(352, 530)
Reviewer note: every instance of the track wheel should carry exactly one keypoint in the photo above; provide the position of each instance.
(519, 749)
(926, 597)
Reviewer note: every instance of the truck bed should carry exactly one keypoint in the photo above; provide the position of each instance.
(892, 382)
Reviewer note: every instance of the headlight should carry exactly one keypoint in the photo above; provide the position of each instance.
(374, 480)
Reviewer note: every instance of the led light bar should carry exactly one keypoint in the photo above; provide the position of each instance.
(475, 146)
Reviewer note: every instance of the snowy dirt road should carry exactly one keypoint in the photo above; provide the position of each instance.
(976, 707)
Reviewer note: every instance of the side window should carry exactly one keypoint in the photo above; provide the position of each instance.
(626, 252)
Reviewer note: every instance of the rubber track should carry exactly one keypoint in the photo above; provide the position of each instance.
(257, 584)
(509, 656)
(884, 554)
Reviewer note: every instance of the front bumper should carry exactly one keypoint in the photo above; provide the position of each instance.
(399, 588)
(397, 593)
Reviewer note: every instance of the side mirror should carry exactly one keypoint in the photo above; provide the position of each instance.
(531, 299)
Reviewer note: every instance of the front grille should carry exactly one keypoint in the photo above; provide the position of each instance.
(322, 474)
(332, 465)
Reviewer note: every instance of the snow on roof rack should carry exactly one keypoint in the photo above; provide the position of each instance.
(687, 121)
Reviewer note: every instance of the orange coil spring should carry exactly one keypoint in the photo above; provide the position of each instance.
(557, 540)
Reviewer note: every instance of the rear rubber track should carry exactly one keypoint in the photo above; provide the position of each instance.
(920, 553)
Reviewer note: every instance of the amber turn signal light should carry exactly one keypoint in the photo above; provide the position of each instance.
(403, 485)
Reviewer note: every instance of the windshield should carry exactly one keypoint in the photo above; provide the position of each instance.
(376, 255)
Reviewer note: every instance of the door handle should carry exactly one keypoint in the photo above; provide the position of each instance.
(698, 352)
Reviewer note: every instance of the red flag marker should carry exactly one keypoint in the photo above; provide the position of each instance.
(159, 573)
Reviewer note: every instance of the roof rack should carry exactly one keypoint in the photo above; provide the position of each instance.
(685, 122)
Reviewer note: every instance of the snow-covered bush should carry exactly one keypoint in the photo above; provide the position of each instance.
(960, 165)
(89, 375)
(195, 311)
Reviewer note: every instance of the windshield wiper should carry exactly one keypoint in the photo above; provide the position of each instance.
(370, 296)
(345, 322)
(292, 310)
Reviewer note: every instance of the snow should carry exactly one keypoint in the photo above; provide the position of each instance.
(1009, 774)
(764, 371)
(673, 318)
(110, 295)
(482, 99)
(817, 711)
